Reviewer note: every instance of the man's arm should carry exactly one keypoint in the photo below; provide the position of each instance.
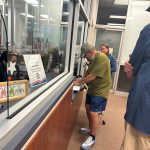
(128, 68)
(87, 79)
(142, 46)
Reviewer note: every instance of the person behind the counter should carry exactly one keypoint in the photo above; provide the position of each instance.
(3, 67)
(13, 68)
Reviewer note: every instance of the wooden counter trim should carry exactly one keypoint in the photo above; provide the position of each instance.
(37, 131)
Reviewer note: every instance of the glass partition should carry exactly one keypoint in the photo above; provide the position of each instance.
(1, 9)
(80, 34)
(3, 56)
(113, 39)
(37, 33)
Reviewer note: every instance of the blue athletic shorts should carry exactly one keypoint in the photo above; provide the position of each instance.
(97, 103)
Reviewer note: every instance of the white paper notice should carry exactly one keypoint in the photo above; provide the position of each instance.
(35, 69)
(76, 88)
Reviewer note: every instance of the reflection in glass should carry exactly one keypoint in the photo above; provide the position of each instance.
(3, 57)
(40, 33)
(112, 38)
(80, 33)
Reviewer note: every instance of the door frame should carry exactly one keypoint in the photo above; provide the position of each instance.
(118, 59)
(82, 25)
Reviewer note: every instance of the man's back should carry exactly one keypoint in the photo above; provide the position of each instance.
(100, 67)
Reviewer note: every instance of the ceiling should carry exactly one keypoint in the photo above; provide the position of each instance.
(117, 8)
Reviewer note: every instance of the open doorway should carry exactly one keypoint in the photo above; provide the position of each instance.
(113, 37)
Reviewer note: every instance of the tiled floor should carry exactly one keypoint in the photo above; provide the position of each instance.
(109, 136)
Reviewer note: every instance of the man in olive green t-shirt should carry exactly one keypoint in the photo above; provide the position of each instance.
(98, 79)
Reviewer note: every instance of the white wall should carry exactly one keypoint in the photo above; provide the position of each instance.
(93, 17)
(136, 20)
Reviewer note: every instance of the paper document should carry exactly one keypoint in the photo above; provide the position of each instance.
(76, 88)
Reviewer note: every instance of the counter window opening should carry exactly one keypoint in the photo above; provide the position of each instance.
(78, 65)
(38, 53)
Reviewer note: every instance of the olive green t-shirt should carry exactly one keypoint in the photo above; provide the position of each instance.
(100, 67)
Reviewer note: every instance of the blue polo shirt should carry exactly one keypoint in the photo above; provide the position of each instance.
(138, 105)
(112, 63)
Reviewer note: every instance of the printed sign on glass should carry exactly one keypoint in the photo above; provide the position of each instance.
(35, 69)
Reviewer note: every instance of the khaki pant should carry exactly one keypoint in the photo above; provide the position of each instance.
(135, 140)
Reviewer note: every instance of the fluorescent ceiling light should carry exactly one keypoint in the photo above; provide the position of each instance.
(50, 19)
(65, 13)
(64, 23)
(121, 2)
(28, 15)
(44, 16)
(44, 19)
(36, 5)
(115, 24)
(32, 1)
(117, 17)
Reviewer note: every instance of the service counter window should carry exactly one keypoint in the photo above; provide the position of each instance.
(79, 42)
(4, 14)
(39, 51)
(1, 9)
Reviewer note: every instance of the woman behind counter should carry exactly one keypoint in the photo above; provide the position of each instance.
(13, 68)
(104, 48)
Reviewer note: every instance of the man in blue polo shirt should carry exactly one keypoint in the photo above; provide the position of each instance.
(137, 116)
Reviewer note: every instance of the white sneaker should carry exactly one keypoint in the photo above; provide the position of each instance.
(88, 143)
(85, 131)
